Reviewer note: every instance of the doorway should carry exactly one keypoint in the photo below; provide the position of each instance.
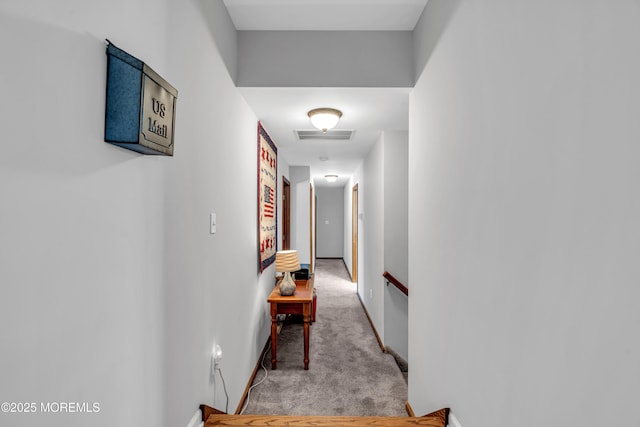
(286, 214)
(354, 234)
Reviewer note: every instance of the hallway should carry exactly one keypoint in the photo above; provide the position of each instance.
(516, 221)
(348, 373)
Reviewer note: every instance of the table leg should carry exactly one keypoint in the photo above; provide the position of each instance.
(307, 319)
(274, 336)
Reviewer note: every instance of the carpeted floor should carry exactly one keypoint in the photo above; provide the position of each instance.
(348, 373)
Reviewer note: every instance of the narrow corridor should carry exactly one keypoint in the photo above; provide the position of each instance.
(348, 373)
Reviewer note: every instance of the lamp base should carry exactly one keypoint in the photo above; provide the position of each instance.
(287, 285)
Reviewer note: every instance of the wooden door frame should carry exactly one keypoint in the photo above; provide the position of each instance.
(286, 214)
(354, 234)
(311, 230)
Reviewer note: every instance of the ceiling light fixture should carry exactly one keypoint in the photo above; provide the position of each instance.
(331, 178)
(324, 118)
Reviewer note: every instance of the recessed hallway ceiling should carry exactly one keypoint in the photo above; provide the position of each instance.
(325, 15)
(366, 111)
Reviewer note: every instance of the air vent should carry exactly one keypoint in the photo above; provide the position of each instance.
(331, 135)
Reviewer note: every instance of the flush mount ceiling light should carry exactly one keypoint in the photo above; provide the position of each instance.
(331, 178)
(324, 118)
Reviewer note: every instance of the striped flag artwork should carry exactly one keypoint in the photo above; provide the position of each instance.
(268, 197)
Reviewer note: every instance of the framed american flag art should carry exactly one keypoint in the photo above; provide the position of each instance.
(267, 190)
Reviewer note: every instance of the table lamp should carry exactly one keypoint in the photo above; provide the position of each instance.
(287, 261)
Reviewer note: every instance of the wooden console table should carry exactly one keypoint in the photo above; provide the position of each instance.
(299, 303)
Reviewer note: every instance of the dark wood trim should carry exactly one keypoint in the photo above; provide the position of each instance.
(286, 214)
(440, 414)
(395, 282)
(375, 331)
(311, 233)
(252, 377)
(207, 411)
(409, 409)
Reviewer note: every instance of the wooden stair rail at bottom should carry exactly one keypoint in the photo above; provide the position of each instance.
(395, 282)
(213, 417)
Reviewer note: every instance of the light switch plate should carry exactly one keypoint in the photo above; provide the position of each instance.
(212, 223)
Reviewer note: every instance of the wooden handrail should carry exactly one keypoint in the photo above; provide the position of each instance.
(395, 282)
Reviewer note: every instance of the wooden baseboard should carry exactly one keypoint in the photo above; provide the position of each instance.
(207, 411)
(440, 414)
(243, 399)
(372, 325)
(409, 409)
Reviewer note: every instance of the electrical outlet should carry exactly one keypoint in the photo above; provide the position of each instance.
(370, 293)
(216, 355)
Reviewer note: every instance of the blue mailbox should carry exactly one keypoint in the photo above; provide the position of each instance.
(140, 105)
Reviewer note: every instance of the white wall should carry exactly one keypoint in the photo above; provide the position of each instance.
(396, 233)
(330, 222)
(396, 203)
(371, 250)
(113, 288)
(212, 281)
(325, 59)
(223, 32)
(383, 241)
(300, 178)
(283, 171)
(82, 222)
(523, 211)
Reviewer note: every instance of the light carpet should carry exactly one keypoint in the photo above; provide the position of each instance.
(348, 373)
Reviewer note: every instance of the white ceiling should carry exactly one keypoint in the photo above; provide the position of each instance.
(367, 111)
(325, 15)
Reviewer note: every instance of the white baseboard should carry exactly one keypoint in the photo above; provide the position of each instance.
(196, 420)
(453, 421)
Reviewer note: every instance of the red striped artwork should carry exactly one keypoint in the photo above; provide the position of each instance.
(267, 211)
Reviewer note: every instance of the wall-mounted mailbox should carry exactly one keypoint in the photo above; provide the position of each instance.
(141, 105)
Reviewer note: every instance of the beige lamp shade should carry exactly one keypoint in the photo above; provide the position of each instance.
(287, 261)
